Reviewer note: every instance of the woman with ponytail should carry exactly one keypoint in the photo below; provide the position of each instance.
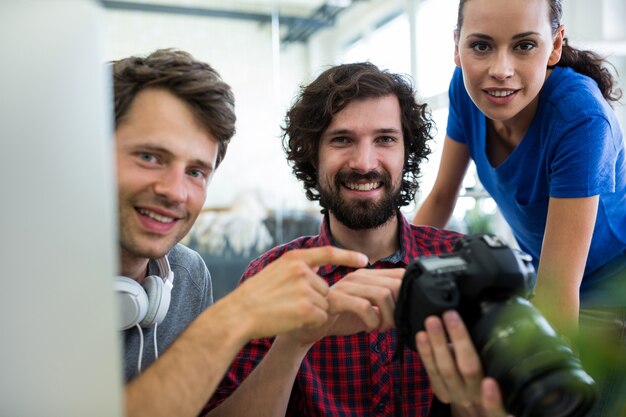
(535, 115)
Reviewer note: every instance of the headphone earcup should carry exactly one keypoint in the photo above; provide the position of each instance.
(132, 300)
(159, 296)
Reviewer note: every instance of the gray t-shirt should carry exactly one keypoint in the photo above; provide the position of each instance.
(191, 295)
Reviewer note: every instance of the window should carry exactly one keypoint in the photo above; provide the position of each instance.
(436, 20)
(387, 45)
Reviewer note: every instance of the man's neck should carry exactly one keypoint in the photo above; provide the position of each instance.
(377, 243)
(133, 267)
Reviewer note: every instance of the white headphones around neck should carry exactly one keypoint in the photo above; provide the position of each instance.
(145, 304)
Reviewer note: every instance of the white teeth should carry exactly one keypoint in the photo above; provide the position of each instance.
(501, 93)
(363, 187)
(155, 216)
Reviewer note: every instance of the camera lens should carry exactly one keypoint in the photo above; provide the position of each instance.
(539, 374)
(558, 394)
(555, 400)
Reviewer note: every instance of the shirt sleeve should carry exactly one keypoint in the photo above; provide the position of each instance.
(583, 160)
(243, 365)
(457, 97)
(250, 355)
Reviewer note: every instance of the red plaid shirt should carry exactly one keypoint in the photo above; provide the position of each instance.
(349, 375)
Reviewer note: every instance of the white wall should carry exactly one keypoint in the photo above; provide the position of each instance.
(325, 47)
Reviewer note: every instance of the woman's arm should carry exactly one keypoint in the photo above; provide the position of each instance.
(438, 206)
(569, 228)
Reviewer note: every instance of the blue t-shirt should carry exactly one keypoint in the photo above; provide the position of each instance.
(574, 147)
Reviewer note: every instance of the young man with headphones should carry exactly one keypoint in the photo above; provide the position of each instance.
(174, 118)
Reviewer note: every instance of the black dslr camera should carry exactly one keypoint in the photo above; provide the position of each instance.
(489, 283)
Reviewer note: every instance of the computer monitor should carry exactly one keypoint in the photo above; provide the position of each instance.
(59, 348)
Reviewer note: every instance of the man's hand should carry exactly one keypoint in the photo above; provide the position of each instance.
(363, 300)
(288, 294)
(455, 371)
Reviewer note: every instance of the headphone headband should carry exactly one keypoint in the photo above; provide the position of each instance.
(165, 271)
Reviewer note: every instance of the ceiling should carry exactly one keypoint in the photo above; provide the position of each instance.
(299, 19)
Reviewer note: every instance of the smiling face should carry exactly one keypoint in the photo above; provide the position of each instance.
(361, 157)
(504, 48)
(165, 160)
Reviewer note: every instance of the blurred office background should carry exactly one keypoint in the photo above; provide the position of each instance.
(59, 352)
(266, 49)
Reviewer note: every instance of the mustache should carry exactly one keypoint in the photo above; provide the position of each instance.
(352, 176)
(180, 210)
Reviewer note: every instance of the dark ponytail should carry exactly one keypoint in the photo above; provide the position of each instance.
(588, 63)
(592, 65)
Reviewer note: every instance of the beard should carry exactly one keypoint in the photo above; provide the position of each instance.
(360, 214)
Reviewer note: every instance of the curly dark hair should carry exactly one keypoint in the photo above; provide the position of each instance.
(332, 91)
(196, 83)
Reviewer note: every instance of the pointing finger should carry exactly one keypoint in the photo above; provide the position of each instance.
(330, 255)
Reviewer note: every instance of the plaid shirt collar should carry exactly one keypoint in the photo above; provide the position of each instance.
(401, 258)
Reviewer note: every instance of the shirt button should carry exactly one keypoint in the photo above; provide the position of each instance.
(376, 348)
(380, 407)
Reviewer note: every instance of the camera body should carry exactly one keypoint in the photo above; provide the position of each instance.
(482, 268)
(489, 284)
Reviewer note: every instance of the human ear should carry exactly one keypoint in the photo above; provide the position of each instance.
(557, 46)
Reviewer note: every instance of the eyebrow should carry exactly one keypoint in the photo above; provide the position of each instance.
(348, 131)
(487, 37)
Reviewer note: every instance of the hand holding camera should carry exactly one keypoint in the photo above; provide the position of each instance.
(488, 284)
